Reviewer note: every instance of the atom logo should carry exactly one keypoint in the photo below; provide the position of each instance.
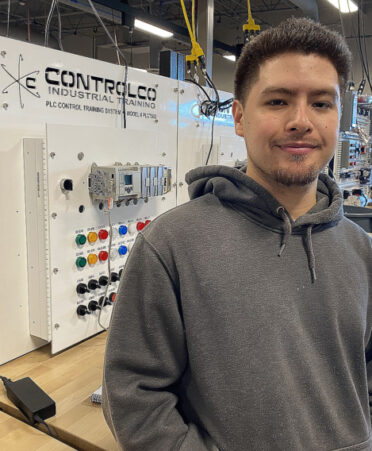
(26, 82)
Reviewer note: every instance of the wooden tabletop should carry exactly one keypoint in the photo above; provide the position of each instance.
(69, 378)
(16, 435)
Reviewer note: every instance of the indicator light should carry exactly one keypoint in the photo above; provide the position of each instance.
(80, 239)
(103, 234)
(123, 230)
(92, 259)
(81, 262)
(140, 226)
(132, 228)
(122, 250)
(92, 237)
(112, 297)
(103, 256)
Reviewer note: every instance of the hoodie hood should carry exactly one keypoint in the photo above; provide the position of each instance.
(234, 188)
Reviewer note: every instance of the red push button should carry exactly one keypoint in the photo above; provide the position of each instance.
(103, 234)
(112, 297)
(147, 222)
(103, 256)
(140, 226)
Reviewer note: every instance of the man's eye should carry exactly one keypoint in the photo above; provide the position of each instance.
(322, 105)
(277, 102)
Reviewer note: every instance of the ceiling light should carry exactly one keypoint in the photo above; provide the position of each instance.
(230, 57)
(345, 6)
(151, 29)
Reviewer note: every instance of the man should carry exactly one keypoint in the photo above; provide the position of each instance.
(243, 317)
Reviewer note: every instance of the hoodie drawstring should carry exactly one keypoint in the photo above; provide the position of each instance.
(308, 242)
(287, 229)
(310, 253)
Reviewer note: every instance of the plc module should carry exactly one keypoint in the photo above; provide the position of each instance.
(125, 182)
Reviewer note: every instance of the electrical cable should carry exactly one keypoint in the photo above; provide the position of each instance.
(48, 21)
(108, 269)
(59, 27)
(28, 21)
(122, 55)
(361, 53)
(40, 420)
(8, 21)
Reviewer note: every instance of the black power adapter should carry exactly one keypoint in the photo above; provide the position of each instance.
(30, 399)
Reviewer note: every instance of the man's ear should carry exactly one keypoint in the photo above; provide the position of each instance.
(237, 112)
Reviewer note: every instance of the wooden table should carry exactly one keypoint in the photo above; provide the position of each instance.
(16, 435)
(69, 378)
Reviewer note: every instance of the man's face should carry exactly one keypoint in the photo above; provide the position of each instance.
(290, 119)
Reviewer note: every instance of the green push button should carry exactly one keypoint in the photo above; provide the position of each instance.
(80, 239)
(81, 262)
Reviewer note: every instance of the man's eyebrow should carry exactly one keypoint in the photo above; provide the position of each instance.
(292, 92)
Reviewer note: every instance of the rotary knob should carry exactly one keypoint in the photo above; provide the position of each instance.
(82, 288)
(93, 284)
(93, 306)
(103, 281)
(82, 310)
(114, 277)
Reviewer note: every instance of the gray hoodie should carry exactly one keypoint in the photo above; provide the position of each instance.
(236, 328)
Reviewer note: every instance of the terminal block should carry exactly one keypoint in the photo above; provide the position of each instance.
(126, 182)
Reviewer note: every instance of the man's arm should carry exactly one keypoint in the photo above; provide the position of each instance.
(145, 355)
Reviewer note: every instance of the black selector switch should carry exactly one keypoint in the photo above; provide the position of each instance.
(103, 302)
(93, 284)
(114, 277)
(82, 310)
(120, 272)
(93, 306)
(82, 288)
(103, 281)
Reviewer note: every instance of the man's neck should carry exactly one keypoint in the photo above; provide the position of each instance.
(297, 200)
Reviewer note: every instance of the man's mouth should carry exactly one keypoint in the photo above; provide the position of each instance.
(297, 148)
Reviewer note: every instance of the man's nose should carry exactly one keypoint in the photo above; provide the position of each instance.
(299, 119)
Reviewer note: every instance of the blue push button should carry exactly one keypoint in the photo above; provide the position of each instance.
(122, 250)
(123, 230)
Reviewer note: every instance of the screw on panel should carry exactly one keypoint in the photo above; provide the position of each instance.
(180, 184)
(156, 85)
(174, 185)
(55, 270)
(5, 106)
(54, 215)
(3, 53)
(156, 121)
(56, 326)
(52, 154)
(163, 198)
(182, 91)
(163, 154)
(136, 163)
(197, 124)
(146, 199)
(80, 156)
(175, 90)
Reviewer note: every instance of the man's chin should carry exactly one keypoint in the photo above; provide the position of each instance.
(296, 178)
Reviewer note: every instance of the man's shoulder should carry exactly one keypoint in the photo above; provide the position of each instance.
(355, 234)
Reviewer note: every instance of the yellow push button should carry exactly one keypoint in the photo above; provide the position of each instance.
(92, 237)
(92, 259)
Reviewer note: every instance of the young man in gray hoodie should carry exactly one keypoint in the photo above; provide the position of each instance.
(243, 318)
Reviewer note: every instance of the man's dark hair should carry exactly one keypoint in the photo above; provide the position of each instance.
(293, 35)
